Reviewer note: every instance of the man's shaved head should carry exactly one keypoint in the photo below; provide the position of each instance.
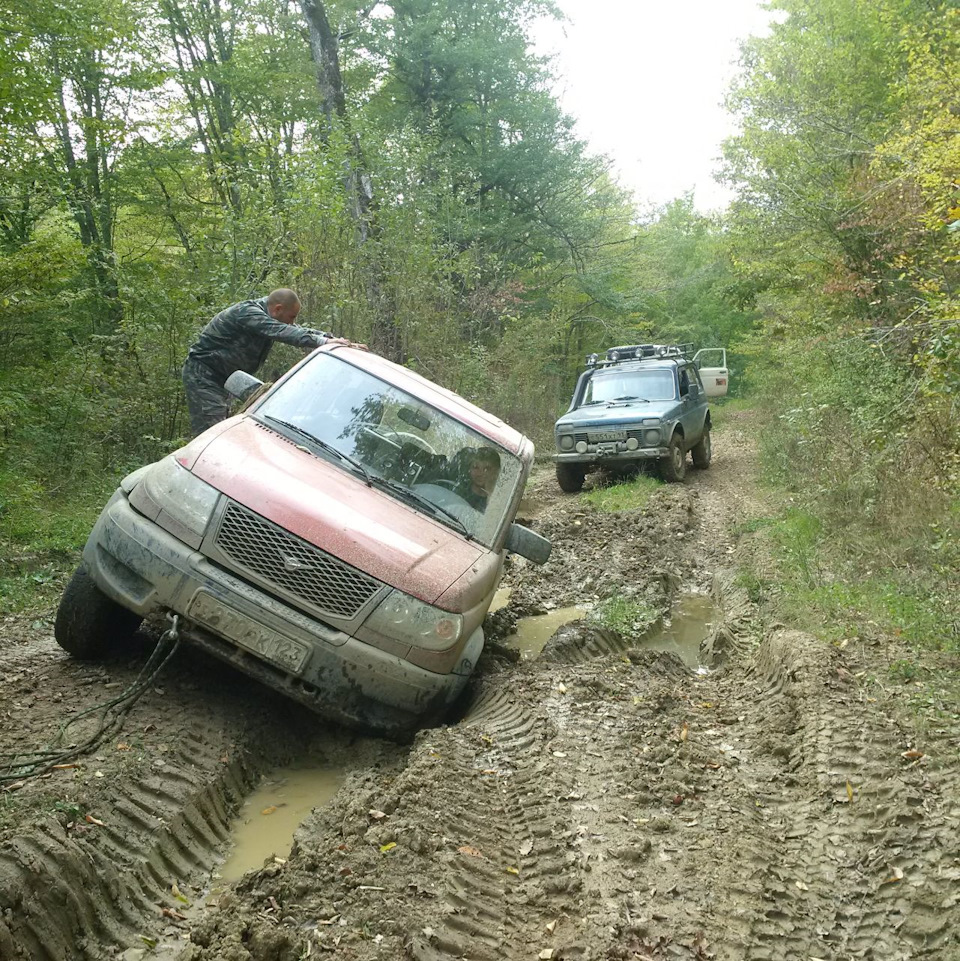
(282, 297)
(283, 304)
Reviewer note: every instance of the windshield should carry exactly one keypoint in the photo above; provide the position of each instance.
(654, 384)
(411, 451)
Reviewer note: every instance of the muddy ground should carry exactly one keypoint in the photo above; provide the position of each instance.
(599, 802)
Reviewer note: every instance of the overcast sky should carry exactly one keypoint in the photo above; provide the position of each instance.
(645, 80)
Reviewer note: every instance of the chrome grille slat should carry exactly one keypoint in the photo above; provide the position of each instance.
(276, 556)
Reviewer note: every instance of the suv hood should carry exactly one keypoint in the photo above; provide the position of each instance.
(614, 412)
(335, 510)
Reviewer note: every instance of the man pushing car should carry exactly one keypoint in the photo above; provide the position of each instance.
(240, 338)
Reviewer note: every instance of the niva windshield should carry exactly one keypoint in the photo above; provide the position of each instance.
(413, 452)
(656, 384)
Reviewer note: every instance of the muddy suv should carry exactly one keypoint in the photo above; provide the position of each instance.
(642, 404)
(341, 540)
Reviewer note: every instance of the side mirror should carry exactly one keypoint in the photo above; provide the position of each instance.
(241, 384)
(525, 542)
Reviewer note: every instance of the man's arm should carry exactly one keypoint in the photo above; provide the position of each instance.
(259, 321)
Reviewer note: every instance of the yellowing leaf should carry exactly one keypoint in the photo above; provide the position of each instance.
(387, 847)
(684, 731)
(269, 810)
(513, 870)
(849, 792)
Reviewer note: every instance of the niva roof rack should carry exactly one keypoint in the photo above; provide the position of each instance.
(616, 355)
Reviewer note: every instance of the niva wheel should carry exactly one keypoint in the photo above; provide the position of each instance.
(674, 466)
(570, 477)
(701, 451)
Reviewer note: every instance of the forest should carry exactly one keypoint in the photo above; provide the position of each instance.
(406, 167)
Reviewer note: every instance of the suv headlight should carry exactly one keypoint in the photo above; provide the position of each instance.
(176, 500)
(566, 442)
(404, 618)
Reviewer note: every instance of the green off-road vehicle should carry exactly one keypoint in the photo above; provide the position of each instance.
(643, 403)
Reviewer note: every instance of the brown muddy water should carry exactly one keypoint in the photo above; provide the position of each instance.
(690, 621)
(269, 817)
(681, 633)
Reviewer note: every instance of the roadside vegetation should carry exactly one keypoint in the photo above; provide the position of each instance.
(411, 174)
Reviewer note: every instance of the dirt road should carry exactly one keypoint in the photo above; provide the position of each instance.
(599, 802)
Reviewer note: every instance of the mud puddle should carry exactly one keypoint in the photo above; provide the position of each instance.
(689, 624)
(532, 633)
(269, 817)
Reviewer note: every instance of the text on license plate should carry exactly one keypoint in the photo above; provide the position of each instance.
(601, 436)
(242, 630)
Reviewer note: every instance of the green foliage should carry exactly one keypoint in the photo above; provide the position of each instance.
(625, 615)
(626, 496)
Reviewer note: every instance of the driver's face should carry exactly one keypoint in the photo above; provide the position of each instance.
(483, 475)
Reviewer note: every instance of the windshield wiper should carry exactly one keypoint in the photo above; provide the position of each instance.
(431, 507)
(322, 445)
(632, 397)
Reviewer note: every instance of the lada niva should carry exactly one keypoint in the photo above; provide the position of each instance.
(340, 539)
(643, 404)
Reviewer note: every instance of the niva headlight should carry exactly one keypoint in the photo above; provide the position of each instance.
(406, 619)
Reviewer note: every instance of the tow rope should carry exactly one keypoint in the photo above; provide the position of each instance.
(20, 767)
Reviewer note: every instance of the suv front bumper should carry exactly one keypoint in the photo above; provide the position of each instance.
(611, 456)
(146, 569)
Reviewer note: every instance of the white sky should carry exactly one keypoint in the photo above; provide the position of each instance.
(645, 80)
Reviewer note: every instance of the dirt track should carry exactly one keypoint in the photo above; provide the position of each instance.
(600, 802)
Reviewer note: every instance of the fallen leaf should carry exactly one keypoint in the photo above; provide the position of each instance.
(149, 942)
(849, 792)
(513, 870)
(912, 755)
(90, 819)
(123, 746)
(269, 810)
(896, 876)
(713, 765)
(175, 891)
(683, 731)
(801, 885)
(376, 815)
(467, 849)
(387, 847)
(98, 774)
(526, 848)
(175, 915)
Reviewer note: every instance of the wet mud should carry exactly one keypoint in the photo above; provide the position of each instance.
(601, 800)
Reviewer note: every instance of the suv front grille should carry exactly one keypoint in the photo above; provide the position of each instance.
(278, 557)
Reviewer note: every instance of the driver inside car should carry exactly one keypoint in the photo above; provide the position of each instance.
(482, 472)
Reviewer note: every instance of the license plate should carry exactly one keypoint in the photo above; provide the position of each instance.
(270, 645)
(607, 435)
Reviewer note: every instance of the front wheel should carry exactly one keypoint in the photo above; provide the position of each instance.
(701, 451)
(88, 622)
(570, 477)
(674, 466)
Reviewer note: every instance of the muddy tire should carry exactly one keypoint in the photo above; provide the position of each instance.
(674, 465)
(701, 451)
(88, 622)
(570, 477)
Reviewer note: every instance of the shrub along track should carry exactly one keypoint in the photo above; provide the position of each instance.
(600, 802)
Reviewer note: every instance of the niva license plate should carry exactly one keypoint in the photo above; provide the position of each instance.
(606, 435)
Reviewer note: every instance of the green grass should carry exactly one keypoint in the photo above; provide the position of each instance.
(41, 536)
(629, 495)
(623, 615)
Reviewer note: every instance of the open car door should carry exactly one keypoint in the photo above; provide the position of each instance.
(712, 364)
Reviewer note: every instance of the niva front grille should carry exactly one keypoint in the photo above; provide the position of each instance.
(276, 556)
